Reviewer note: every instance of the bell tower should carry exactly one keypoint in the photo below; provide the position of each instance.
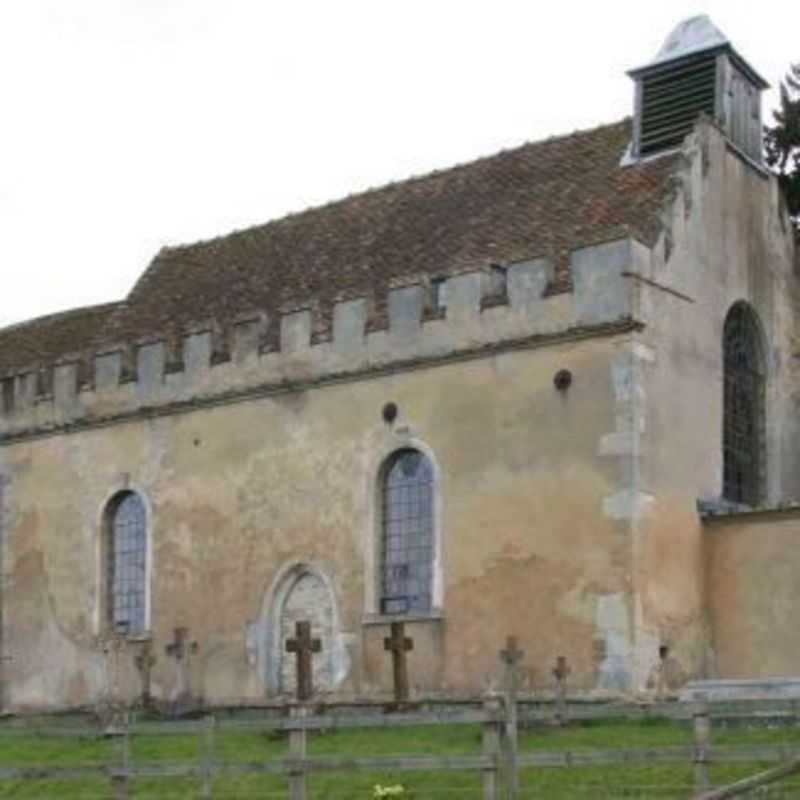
(696, 71)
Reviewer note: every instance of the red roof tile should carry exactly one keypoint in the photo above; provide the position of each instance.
(46, 340)
(541, 199)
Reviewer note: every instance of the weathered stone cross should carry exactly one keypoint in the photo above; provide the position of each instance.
(145, 661)
(510, 656)
(303, 646)
(114, 645)
(180, 649)
(179, 646)
(3, 660)
(560, 673)
(399, 644)
(112, 714)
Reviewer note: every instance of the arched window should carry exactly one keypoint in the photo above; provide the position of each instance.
(743, 407)
(407, 533)
(126, 564)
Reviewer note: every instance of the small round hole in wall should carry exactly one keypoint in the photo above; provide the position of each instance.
(562, 380)
(389, 413)
(663, 652)
(197, 443)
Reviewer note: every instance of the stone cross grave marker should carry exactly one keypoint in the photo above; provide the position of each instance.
(399, 644)
(180, 648)
(303, 646)
(510, 656)
(4, 659)
(661, 672)
(145, 661)
(111, 707)
(560, 673)
(114, 646)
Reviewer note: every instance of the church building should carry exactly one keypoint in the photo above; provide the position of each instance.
(552, 393)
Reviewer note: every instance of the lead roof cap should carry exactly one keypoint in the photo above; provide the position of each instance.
(692, 37)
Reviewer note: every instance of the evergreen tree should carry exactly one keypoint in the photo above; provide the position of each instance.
(782, 142)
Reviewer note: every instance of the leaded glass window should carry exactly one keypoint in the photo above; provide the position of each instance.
(743, 407)
(127, 564)
(407, 542)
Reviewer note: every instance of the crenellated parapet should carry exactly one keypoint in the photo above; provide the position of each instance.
(253, 353)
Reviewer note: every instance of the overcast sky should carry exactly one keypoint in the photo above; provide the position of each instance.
(131, 124)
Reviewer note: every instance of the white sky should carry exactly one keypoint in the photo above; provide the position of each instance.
(130, 124)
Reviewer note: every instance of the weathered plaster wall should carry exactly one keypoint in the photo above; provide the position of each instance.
(752, 566)
(534, 530)
(3, 528)
(726, 239)
(566, 518)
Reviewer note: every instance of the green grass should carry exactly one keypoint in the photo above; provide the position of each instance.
(244, 745)
(606, 734)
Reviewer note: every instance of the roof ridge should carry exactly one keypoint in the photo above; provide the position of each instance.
(537, 199)
(57, 316)
(168, 251)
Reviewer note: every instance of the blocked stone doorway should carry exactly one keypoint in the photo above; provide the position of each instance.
(307, 596)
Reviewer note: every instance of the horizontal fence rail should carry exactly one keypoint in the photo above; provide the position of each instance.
(497, 760)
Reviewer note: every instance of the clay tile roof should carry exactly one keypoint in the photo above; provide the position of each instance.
(541, 199)
(49, 339)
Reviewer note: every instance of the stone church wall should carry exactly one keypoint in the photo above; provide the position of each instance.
(753, 561)
(216, 362)
(726, 239)
(241, 494)
(257, 465)
(565, 516)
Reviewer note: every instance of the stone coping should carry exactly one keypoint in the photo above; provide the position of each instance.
(711, 513)
(742, 689)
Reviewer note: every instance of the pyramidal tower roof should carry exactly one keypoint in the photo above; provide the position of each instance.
(692, 37)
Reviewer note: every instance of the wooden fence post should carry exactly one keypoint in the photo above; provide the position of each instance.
(208, 732)
(510, 656)
(119, 777)
(702, 742)
(511, 747)
(491, 746)
(297, 749)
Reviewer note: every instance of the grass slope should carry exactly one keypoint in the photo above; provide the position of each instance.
(251, 745)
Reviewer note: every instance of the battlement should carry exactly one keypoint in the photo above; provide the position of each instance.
(465, 312)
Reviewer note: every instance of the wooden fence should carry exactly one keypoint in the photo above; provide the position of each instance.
(498, 761)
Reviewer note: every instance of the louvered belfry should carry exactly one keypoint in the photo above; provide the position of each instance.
(697, 71)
